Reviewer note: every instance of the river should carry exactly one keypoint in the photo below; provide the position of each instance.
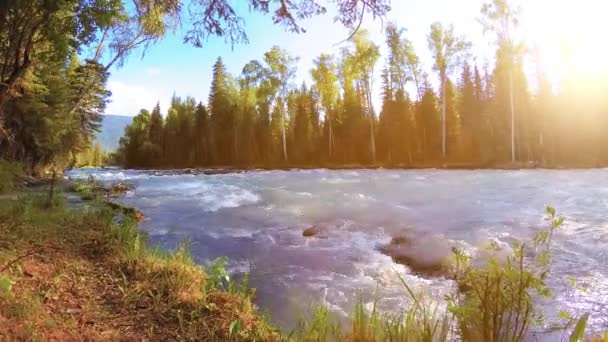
(256, 219)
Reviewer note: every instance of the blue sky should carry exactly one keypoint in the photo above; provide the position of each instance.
(174, 67)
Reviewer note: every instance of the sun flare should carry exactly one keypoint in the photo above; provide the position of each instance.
(570, 36)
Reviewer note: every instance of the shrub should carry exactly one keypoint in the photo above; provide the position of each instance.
(496, 302)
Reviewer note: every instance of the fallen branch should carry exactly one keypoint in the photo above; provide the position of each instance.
(12, 262)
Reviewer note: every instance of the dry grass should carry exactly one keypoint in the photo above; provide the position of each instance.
(74, 276)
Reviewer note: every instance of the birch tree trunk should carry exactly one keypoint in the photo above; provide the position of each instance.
(371, 122)
(283, 133)
(331, 135)
(512, 108)
(443, 125)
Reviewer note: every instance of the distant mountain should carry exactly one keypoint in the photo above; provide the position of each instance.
(112, 129)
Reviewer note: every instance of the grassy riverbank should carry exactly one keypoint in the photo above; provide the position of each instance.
(70, 274)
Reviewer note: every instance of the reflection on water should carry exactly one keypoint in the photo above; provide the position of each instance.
(257, 219)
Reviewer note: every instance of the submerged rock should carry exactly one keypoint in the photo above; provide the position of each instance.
(429, 256)
(311, 231)
(120, 188)
(131, 212)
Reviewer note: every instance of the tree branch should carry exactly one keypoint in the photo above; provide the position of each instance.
(356, 28)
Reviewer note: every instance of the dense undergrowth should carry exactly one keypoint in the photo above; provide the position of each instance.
(86, 272)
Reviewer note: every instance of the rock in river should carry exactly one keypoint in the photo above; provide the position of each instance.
(427, 255)
(311, 231)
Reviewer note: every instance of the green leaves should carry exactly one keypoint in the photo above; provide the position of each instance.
(447, 48)
(579, 330)
(541, 237)
(558, 222)
(235, 328)
(6, 284)
(218, 275)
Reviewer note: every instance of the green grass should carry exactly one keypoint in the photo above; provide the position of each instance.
(414, 324)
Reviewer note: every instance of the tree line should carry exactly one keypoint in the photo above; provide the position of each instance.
(477, 116)
(56, 56)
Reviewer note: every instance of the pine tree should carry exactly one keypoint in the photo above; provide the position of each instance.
(170, 146)
(156, 125)
(302, 126)
(469, 109)
(201, 136)
(277, 126)
(156, 134)
(429, 117)
(351, 129)
(222, 116)
(315, 135)
(404, 130)
(453, 122)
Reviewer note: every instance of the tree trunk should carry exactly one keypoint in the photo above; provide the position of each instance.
(424, 144)
(370, 109)
(331, 134)
(283, 135)
(512, 108)
(443, 126)
(236, 145)
(408, 141)
(372, 139)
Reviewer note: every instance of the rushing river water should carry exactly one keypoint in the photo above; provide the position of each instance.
(256, 219)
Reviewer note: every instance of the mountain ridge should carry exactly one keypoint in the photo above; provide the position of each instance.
(112, 129)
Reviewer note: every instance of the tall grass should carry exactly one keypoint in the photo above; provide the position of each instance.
(424, 320)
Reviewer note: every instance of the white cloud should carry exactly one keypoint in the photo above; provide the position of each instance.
(152, 71)
(128, 99)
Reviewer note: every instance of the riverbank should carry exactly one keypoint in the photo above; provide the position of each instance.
(217, 170)
(87, 273)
